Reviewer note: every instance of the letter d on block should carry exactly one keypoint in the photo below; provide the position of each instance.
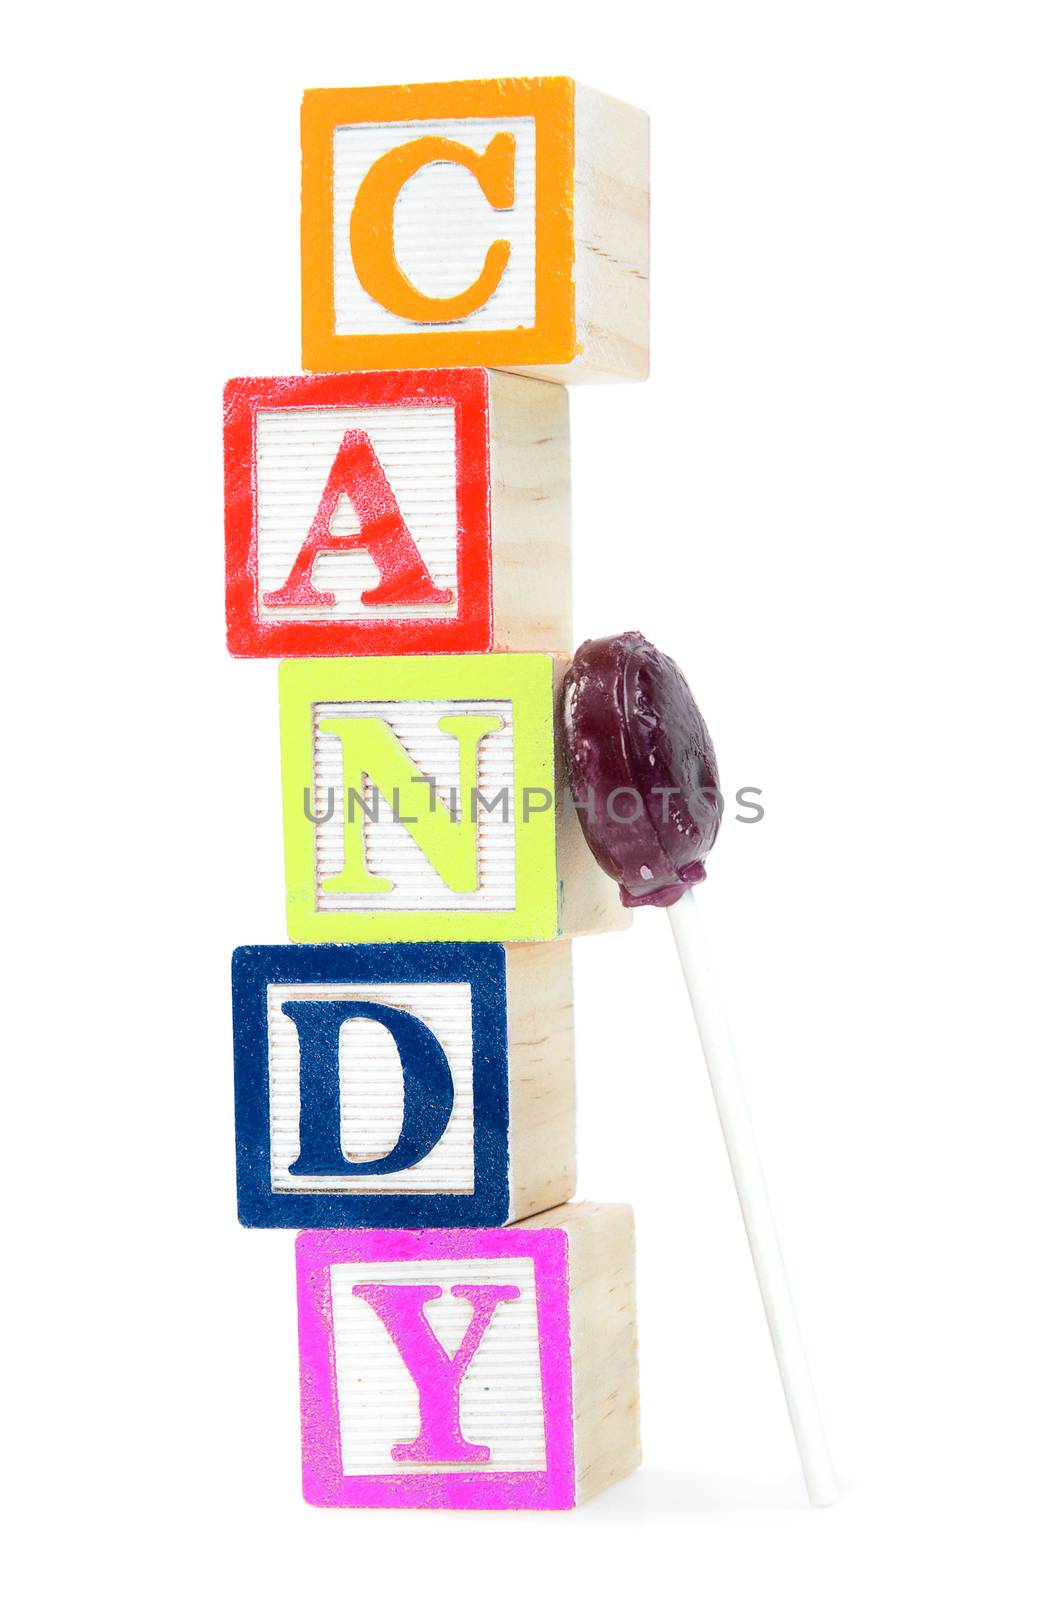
(426, 1078)
(436, 1374)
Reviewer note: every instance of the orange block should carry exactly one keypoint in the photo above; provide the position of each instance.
(500, 223)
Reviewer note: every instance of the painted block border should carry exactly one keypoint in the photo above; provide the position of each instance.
(484, 967)
(323, 1483)
(467, 391)
(552, 339)
(525, 680)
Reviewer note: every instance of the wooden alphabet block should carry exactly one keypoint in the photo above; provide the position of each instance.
(491, 1368)
(396, 513)
(402, 1086)
(420, 803)
(500, 223)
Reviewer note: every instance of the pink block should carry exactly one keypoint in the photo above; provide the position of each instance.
(470, 1360)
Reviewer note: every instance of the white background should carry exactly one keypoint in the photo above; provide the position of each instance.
(836, 503)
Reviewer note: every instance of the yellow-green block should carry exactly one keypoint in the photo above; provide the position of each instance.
(419, 798)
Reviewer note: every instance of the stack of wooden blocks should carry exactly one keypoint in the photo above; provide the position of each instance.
(398, 527)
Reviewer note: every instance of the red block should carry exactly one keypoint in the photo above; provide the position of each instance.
(385, 513)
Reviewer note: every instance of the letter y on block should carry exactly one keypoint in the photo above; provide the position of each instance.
(436, 1374)
(529, 1402)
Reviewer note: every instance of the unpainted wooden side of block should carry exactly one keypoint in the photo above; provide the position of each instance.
(530, 514)
(542, 1167)
(603, 1326)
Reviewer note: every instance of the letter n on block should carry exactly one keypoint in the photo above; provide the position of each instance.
(396, 513)
(419, 802)
(469, 1368)
(402, 1086)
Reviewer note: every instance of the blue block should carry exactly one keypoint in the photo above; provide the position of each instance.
(324, 1184)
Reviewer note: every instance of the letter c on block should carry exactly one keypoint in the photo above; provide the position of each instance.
(372, 225)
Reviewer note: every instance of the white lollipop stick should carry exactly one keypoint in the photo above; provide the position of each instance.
(697, 966)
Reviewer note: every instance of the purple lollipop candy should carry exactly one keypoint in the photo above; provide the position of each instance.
(644, 776)
(642, 768)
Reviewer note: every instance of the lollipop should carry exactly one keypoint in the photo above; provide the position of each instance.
(642, 768)
(644, 778)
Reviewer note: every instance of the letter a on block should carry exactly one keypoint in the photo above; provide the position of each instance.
(403, 578)
(436, 1374)
(369, 749)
